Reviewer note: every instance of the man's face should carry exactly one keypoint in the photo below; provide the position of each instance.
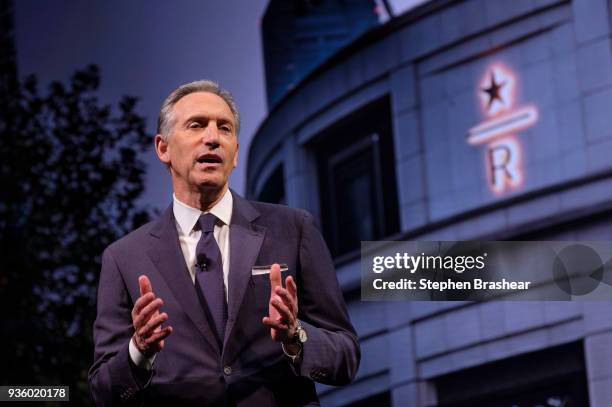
(202, 148)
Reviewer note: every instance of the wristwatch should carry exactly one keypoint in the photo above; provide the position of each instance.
(299, 338)
(300, 334)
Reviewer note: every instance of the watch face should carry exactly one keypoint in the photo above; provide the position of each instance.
(302, 335)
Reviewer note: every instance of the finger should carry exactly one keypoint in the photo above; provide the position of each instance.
(278, 325)
(291, 286)
(287, 299)
(145, 285)
(151, 310)
(160, 335)
(146, 313)
(283, 310)
(275, 278)
(162, 342)
(272, 312)
(153, 324)
(142, 302)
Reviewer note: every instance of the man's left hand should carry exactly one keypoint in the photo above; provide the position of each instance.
(283, 310)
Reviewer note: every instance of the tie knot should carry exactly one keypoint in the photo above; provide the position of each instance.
(207, 222)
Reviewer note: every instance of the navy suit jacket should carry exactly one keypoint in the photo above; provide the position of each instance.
(251, 368)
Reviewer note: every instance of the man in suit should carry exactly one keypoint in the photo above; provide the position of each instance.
(191, 307)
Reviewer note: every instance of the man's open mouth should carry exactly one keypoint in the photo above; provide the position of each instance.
(209, 159)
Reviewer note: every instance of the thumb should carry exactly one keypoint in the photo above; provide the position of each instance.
(145, 285)
(275, 277)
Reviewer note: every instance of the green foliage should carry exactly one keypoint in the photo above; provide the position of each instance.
(70, 175)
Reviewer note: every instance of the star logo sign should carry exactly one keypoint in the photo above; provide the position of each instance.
(497, 91)
(494, 90)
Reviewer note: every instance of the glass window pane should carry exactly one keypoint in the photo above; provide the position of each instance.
(354, 204)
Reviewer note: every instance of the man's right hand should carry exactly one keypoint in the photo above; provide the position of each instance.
(149, 335)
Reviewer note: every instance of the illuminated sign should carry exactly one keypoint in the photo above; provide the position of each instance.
(498, 132)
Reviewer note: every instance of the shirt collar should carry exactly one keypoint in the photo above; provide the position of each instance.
(187, 216)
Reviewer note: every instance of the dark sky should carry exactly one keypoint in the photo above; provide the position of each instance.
(147, 49)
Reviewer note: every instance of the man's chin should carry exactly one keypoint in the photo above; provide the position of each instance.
(210, 185)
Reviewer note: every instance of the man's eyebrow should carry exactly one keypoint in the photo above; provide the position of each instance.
(202, 117)
(196, 118)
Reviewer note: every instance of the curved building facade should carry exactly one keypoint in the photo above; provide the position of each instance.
(459, 120)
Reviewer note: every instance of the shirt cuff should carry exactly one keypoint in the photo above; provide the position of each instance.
(139, 359)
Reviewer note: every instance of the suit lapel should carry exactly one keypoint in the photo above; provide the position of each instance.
(245, 242)
(167, 256)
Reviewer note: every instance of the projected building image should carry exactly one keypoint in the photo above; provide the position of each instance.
(456, 120)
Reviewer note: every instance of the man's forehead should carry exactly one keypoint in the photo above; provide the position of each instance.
(203, 104)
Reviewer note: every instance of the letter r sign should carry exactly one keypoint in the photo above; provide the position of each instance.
(503, 159)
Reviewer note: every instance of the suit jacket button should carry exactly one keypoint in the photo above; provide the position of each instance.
(227, 370)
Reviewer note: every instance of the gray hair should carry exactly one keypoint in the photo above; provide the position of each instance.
(165, 122)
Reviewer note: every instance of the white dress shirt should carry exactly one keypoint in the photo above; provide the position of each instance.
(186, 218)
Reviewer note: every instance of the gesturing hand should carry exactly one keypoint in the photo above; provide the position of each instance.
(283, 307)
(148, 334)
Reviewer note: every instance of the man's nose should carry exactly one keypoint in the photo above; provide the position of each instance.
(211, 134)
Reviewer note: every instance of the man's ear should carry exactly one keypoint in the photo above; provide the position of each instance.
(236, 155)
(162, 149)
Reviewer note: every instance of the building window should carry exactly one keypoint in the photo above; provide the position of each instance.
(273, 190)
(357, 179)
(376, 400)
(551, 377)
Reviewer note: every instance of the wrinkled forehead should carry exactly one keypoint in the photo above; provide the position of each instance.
(202, 104)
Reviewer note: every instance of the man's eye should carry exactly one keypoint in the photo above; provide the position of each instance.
(194, 125)
(226, 129)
